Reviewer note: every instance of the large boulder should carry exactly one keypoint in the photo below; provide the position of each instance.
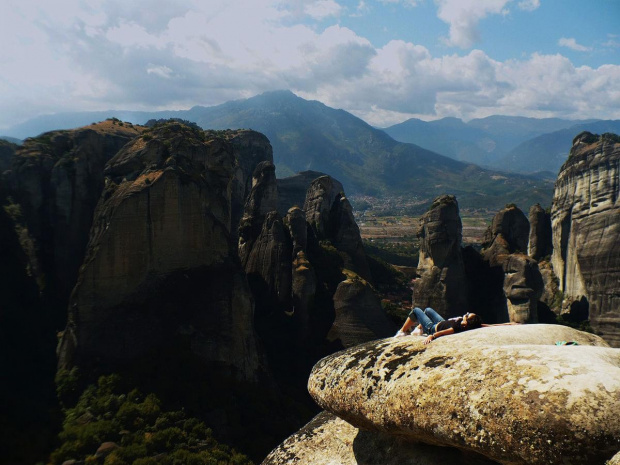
(161, 272)
(586, 229)
(442, 285)
(509, 393)
(329, 440)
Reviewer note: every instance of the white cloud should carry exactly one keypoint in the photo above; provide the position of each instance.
(411, 3)
(322, 9)
(573, 45)
(161, 71)
(529, 5)
(463, 17)
(96, 56)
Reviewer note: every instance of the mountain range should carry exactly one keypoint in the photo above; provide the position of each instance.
(509, 143)
(404, 160)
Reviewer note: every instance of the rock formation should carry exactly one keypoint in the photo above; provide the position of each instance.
(58, 179)
(521, 281)
(330, 216)
(251, 148)
(508, 393)
(292, 190)
(443, 285)
(7, 152)
(328, 440)
(161, 271)
(540, 244)
(586, 229)
(358, 314)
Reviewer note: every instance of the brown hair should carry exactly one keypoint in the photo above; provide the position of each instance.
(473, 321)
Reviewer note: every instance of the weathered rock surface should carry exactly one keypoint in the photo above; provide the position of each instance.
(586, 229)
(329, 440)
(509, 231)
(292, 190)
(615, 460)
(251, 148)
(161, 269)
(269, 267)
(540, 244)
(330, 215)
(521, 281)
(58, 179)
(262, 200)
(508, 393)
(442, 285)
(359, 316)
(318, 204)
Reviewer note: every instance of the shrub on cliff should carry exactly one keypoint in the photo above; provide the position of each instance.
(143, 432)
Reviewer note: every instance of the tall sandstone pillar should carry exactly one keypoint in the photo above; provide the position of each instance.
(585, 218)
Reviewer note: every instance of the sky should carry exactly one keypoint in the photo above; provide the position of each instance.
(383, 60)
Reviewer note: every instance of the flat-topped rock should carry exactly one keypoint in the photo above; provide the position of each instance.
(508, 393)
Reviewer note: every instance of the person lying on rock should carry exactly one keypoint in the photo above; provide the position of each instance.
(433, 324)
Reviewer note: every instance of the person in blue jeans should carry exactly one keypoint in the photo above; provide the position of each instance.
(433, 324)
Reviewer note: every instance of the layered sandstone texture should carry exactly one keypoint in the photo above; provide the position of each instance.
(442, 285)
(540, 244)
(508, 393)
(58, 178)
(161, 269)
(586, 229)
(506, 242)
(329, 440)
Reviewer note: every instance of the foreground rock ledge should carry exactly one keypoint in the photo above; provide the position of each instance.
(329, 440)
(508, 393)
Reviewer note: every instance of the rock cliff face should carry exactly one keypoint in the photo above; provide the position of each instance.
(586, 229)
(251, 148)
(58, 179)
(489, 391)
(281, 259)
(161, 271)
(521, 281)
(540, 244)
(292, 190)
(7, 151)
(330, 216)
(443, 285)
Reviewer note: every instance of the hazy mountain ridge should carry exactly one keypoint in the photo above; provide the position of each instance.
(548, 152)
(488, 141)
(308, 135)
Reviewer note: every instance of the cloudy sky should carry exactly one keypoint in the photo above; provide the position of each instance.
(383, 60)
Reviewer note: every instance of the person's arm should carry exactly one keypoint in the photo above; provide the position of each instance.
(443, 332)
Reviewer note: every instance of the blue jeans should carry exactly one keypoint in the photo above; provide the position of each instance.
(427, 318)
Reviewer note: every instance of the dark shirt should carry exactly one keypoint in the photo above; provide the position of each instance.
(446, 324)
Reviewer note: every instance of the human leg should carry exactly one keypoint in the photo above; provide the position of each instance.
(423, 319)
(433, 315)
(409, 323)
